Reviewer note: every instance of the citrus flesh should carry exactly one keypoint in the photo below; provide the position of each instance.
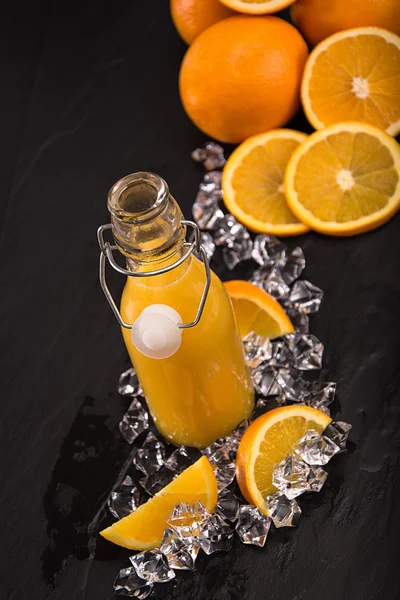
(354, 75)
(253, 183)
(144, 528)
(256, 310)
(345, 179)
(258, 7)
(267, 442)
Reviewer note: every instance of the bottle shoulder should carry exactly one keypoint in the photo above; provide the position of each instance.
(183, 294)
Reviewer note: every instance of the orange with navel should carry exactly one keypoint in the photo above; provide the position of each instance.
(242, 76)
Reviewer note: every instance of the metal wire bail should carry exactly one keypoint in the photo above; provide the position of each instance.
(107, 250)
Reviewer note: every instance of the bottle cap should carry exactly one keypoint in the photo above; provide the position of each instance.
(155, 333)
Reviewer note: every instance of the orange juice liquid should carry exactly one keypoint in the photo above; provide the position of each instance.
(204, 390)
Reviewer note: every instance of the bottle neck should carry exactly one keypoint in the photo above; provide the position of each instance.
(161, 280)
(146, 222)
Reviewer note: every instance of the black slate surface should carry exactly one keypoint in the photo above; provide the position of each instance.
(89, 94)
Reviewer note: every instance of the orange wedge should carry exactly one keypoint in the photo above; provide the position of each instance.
(144, 528)
(345, 179)
(257, 7)
(255, 310)
(354, 75)
(266, 442)
(252, 183)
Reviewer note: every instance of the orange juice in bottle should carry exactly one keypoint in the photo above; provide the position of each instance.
(177, 319)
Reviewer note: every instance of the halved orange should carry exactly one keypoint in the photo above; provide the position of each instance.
(354, 75)
(252, 182)
(267, 441)
(345, 179)
(144, 528)
(257, 7)
(255, 310)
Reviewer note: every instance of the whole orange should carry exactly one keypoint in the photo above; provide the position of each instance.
(242, 76)
(318, 20)
(191, 17)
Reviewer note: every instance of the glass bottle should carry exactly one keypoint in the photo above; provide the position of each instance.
(188, 355)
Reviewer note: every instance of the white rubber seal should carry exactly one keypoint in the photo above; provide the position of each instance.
(155, 333)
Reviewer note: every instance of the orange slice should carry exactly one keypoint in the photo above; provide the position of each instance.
(257, 7)
(345, 179)
(144, 528)
(269, 440)
(255, 310)
(354, 75)
(252, 183)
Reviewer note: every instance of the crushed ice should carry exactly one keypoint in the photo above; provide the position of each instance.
(278, 370)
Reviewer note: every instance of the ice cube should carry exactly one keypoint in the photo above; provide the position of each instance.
(224, 467)
(306, 297)
(227, 506)
(252, 526)
(294, 266)
(291, 384)
(152, 566)
(181, 458)
(149, 460)
(283, 512)
(128, 384)
(315, 449)
(216, 535)
(306, 349)
(319, 394)
(124, 499)
(290, 476)
(157, 481)
(134, 421)
(268, 250)
(257, 349)
(338, 432)
(316, 478)
(129, 584)
(179, 554)
(207, 242)
(188, 521)
(265, 381)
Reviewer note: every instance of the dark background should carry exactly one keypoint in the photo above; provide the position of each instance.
(88, 94)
